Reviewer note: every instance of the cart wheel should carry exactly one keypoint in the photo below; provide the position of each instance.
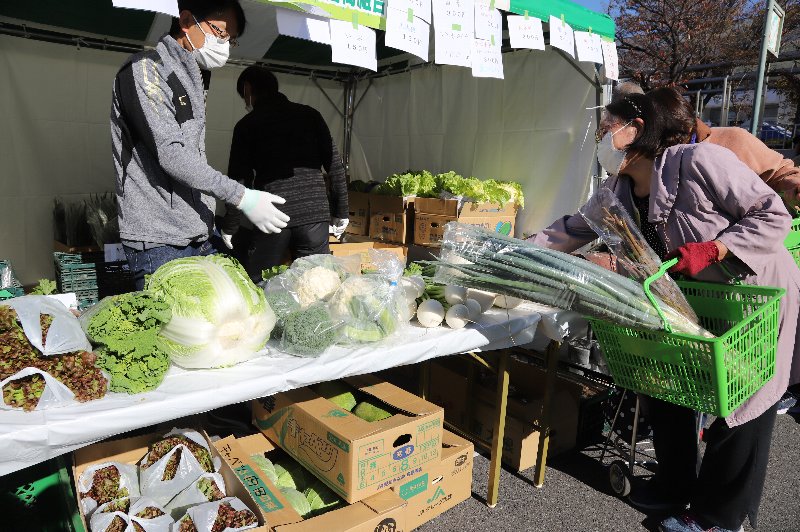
(620, 478)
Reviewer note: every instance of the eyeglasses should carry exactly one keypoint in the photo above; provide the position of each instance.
(222, 34)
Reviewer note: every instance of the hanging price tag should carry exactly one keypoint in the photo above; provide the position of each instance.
(526, 33)
(406, 32)
(421, 8)
(561, 36)
(487, 60)
(488, 22)
(454, 23)
(610, 59)
(588, 47)
(353, 45)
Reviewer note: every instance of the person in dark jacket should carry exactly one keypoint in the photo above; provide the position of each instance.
(281, 147)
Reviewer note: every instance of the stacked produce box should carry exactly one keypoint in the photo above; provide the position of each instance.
(75, 275)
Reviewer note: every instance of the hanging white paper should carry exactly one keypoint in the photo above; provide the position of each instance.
(610, 59)
(488, 22)
(311, 28)
(526, 33)
(168, 7)
(588, 47)
(561, 36)
(454, 22)
(505, 5)
(406, 32)
(487, 59)
(420, 8)
(447, 13)
(353, 45)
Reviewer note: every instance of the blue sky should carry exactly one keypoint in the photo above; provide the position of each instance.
(596, 5)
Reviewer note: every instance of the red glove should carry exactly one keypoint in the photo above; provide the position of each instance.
(694, 257)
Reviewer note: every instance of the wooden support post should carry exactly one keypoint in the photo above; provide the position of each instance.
(499, 430)
(551, 361)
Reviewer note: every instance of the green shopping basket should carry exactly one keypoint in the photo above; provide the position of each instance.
(711, 375)
(793, 238)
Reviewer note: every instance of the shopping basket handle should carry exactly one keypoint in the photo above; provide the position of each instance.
(647, 282)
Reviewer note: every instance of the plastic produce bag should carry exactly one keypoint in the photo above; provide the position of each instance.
(174, 463)
(609, 219)
(102, 483)
(209, 487)
(64, 334)
(227, 515)
(138, 514)
(308, 281)
(53, 392)
(309, 332)
(476, 258)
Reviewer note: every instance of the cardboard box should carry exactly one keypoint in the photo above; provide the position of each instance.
(362, 248)
(358, 213)
(131, 450)
(391, 218)
(443, 487)
(383, 509)
(353, 457)
(432, 214)
(476, 414)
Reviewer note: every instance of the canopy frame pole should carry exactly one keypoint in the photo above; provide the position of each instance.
(327, 97)
(762, 64)
(349, 109)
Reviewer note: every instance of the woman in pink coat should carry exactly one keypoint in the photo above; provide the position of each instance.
(699, 203)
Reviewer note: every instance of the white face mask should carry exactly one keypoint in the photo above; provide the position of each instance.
(214, 53)
(609, 157)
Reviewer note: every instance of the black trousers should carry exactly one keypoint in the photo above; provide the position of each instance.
(272, 249)
(728, 486)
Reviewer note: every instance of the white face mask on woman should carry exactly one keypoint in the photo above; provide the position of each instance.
(609, 157)
(214, 53)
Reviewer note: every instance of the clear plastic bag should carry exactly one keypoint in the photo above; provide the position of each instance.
(55, 394)
(204, 516)
(475, 258)
(64, 334)
(183, 470)
(609, 219)
(209, 487)
(118, 481)
(367, 307)
(310, 331)
(140, 510)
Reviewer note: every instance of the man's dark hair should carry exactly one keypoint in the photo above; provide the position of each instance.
(203, 9)
(668, 119)
(262, 82)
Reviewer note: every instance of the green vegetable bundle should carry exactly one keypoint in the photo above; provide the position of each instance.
(424, 184)
(475, 258)
(126, 328)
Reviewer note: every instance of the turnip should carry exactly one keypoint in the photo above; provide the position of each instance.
(474, 309)
(457, 317)
(430, 313)
(455, 294)
(486, 299)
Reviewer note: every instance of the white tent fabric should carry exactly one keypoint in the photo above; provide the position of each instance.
(55, 140)
(533, 127)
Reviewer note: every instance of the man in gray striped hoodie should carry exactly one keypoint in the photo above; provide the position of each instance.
(165, 186)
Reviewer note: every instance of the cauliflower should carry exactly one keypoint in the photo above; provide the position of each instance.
(316, 284)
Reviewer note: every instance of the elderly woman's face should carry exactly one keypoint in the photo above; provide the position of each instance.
(623, 131)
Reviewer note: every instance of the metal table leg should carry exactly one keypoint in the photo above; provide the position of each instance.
(499, 430)
(551, 361)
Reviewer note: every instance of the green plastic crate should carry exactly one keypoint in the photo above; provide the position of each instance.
(714, 376)
(793, 238)
(796, 254)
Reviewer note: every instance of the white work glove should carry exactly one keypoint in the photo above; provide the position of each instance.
(227, 239)
(338, 225)
(259, 207)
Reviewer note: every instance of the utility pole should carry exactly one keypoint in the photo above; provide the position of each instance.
(770, 41)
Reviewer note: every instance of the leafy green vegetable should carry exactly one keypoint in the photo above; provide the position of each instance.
(273, 272)
(44, 288)
(308, 332)
(338, 393)
(413, 269)
(126, 327)
(291, 474)
(364, 305)
(422, 184)
(219, 317)
(321, 498)
(266, 466)
(298, 501)
(369, 411)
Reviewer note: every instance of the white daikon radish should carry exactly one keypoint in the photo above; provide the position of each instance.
(455, 294)
(430, 313)
(474, 309)
(486, 299)
(457, 317)
(508, 302)
(411, 288)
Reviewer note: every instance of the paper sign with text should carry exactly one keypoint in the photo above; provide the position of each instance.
(610, 59)
(454, 22)
(406, 32)
(488, 23)
(487, 59)
(450, 13)
(302, 26)
(561, 36)
(588, 47)
(526, 33)
(353, 45)
(420, 8)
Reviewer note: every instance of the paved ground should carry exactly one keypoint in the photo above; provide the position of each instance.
(576, 496)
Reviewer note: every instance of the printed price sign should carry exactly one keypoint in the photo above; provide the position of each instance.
(453, 47)
(588, 47)
(421, 8)
(526, 33)
(449, 13)
(353, 45)
(610, 59)
(487, 60)
(488, 22)
(406, 32)
(561, 36)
